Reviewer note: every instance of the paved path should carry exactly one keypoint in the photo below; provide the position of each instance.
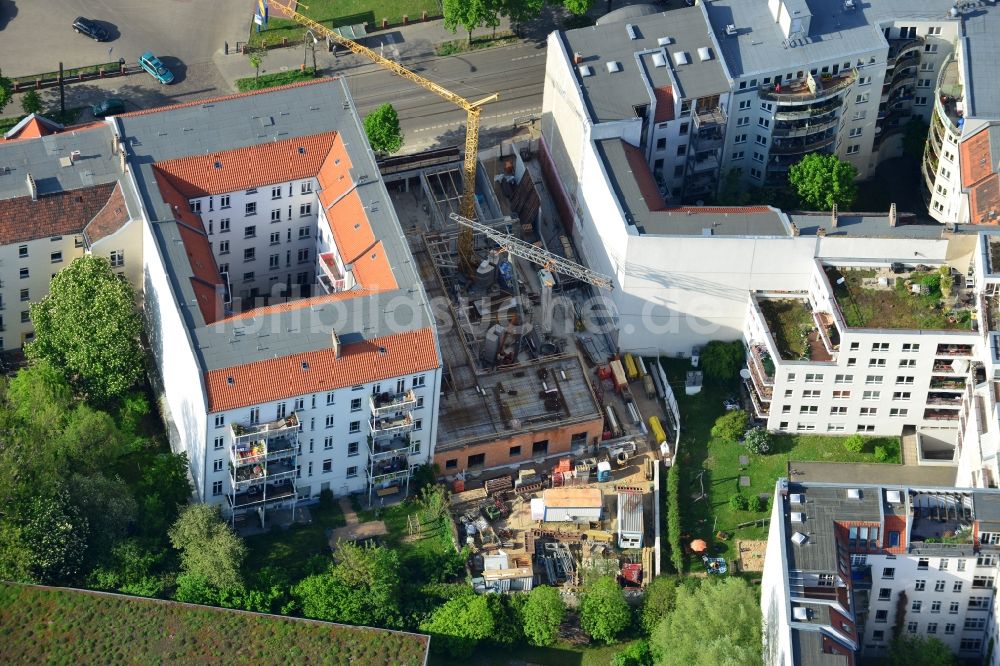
(350, 517)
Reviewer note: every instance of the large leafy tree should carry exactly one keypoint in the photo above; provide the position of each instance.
(722, 360)
(469, 14)
(543, 613)
(713, 623)
(822, 180)
(578, 7)
(163, 489)
(604, 613)
(55, 532)
(6, 91)
(88, 327)
(920, 651)
(209, 549)
(460, 624)
(657, 602)
(382, 129)
(520, 11)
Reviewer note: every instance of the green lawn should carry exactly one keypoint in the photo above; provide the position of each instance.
(719, 459)
(54, 626)
(290, 550)
(274, 79)
(336, 13)
(897, 307)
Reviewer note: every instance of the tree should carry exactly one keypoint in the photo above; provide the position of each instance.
(31, 102)
(634, 654)
(161, 491)
(469, 14)
(822, 180)
(88, 327)
(604, 613)
(131, 570)
(854, 443)
(6, 91)
(758, 441)
(731, 425)
(916, 650)
(674, 517)
(520, 11)
(543, 614)
(256, 58)
(458, 625)
(578, 7)
(713, 623)
(55, 532)
(722, 360)
(382, 129)
(657, 602)
(109, 509)
(209, 548)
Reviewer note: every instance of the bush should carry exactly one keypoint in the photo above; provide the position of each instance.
(738, 502)
(755, 504)
(636, 654)
(932, 281)
(674, 517)
(855, 443)
(722, 360)
(730, 425)
(758, 440)
(881, 454)
(657, 602)
(31, 102)
(947, 282)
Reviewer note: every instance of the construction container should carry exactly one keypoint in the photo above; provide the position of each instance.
(630, 528)
(603, 471)
(631, 371)
(656, 429)
(618, 375)
(649, 387)
(572, 504)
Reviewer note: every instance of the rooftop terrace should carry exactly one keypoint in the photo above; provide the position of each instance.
(910, 299)
(794, 329)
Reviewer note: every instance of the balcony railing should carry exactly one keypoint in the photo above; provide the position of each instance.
(396, 445)
(388, 403)
(900, 48)
(800, 93)
(806, 129)
(761, 408)
(795, 113)
(381, 473)
(795, 146)
(947, 384)
(246, 476)
(710, 117)
(262, 495)
(391, 424)
(245, 433)
(954, 350)
(940, 415)
(756, 364)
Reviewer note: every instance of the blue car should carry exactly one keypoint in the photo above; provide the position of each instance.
(152, 64)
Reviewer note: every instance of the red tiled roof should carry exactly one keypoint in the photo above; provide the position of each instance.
(31, 130)
(298, 304)
(22, 219)
(372, 270)
(226, 98)
(248, 167)
(334, 178)
(205, 278)
(177, 202)
(350, 227)
(984, 199)
(643, 177)
(110, 219)
(664, 104)
(975, 158)
(311, 372)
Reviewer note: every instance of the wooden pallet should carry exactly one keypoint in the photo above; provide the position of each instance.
(498, 484)
(528, 488)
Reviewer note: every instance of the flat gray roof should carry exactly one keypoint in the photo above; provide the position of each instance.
(824, 505)
(871, 473)
(982, 48)
(41, 158)
(865, 226)
(612, 95)
(807, 648)
(229, 123)
(760, 45)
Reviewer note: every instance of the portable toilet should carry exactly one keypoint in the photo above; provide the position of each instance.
(603, 471)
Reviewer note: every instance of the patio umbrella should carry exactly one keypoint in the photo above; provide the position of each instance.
(699, 546)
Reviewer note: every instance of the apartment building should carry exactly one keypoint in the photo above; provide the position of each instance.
(850, 564)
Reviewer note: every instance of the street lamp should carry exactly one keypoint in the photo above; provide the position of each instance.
(311, 44)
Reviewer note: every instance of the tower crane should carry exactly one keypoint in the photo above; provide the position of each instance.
(536, 255)
(472, 110)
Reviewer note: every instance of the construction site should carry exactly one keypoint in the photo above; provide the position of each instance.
(551, 441)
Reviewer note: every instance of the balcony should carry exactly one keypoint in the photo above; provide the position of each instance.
(761, 408)
(705, 118)
(330, 276)
(945, 367)
(267, 493)
(807, 145)
(249, 475)
(940, 415)
(954, 350)
(389, 469)
(948, 102)
(808, 90)
(945, 399)
(396, 445)
(259, 452)
(899, 49)
(389, 403)
(709, 139)
(704, 164)
(799, 112)
(762, 367)
(805, 128)
(247, 433)
(391, 425)
(940, 384)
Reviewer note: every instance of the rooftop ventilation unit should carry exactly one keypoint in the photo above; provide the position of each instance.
(853, 493)
(801, 614)
(704, 53)
(613, 66)
(799, 538)
(798, 517)
(681, 58)
(893, 497)
(731, 30)
(633, 32)
(586, 70)
(797, 498)
(659, 60)
(663, 41)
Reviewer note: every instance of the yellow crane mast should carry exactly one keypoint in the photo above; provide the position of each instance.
(472, 110)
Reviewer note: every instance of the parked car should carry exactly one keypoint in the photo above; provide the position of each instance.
(152, 64)
(90, 28)
(109, 107)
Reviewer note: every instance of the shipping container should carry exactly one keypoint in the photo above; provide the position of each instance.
(618, 375)
(630, 527)
(631, 371)
(656, 428)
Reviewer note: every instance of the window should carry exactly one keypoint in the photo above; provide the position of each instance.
(23, 273)
(218, 443)
(224, 247)
(744, 104)
(838, 410)
(740, 138)
(766, 106)
(813, 378)
(853, 149)
(117, 258)
(55, 257)
(351, 471)
(949, 628)
(451, 463)
(939, 586)
(249, 254)
(251, 208)
(843, 379)
(352, 449)
(250, 231)
(515, 451)
(888, 573)
(953, 607)
(920, 101)
(661, 144)
(919, 585)
(786, 409)
(852, 361)
(682, 150)
(224, 201)
(758, 157)
(355, 404)
(763, 122)
(809, 409)
(224, 225)
(307, 187)
(936, 605)
(923, 83)
(930, 48)
(327, 443)
(858, 115)
(898, 412)
(871, 395)
(855, 346)
(934, 30)
(881, 616)
(305, 209)
(811, 394)
(217, 465)
(276, 192)
(761, 140)
(274, 261)
(884, 594)
(835, 427)
(869, 411)
(783, 425)
(904, 380)
(855, 132)
(327, 466)
(943, 564)
(861, 99)
(876, 363)
(974, 624)
(743, 121)
(303, 255)
(873, 380)
(275, 215)
(968, 644)
(878, 635)
(864, 80)
(355, 427)
(24, 295)
(981, 582)
(216, 488)
(738, 155)
(911, 627)
(419, 381)
(932, 627)
(916, 606)
(961, 565)
(979, 603)
(220, 420)
(248, 276)
(901, 395)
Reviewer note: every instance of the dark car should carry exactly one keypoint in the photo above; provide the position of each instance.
(90, 28)
(109, 107)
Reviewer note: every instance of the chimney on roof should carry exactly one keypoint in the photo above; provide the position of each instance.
(122, 161)
(336, 344)
(833, 217)
(795, 229)
(32, 188)
(892, 215)
(577, 58)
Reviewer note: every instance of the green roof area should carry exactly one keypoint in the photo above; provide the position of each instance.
(882, 299)
(789, 322)
(59, 626)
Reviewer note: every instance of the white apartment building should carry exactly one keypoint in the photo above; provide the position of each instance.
(291, 334)
(847, 564)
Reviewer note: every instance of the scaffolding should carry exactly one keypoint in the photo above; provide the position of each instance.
(263, 467)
